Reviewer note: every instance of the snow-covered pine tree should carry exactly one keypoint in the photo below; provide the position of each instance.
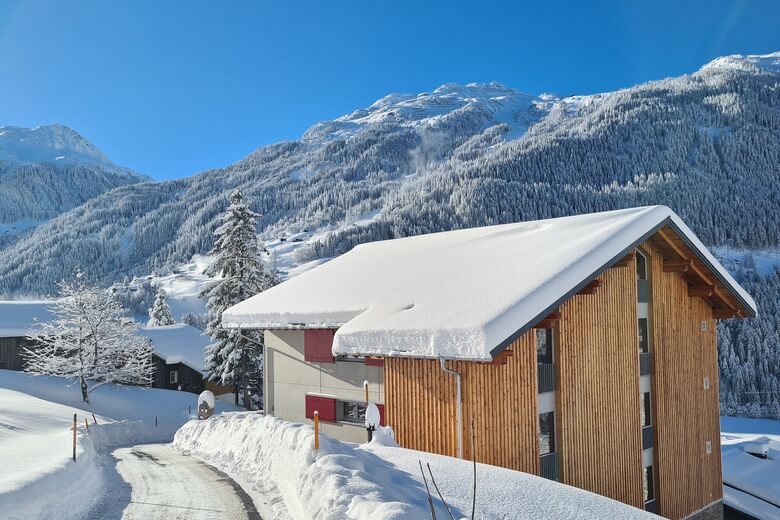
(91, 340)
(239, 271)
(160, 314)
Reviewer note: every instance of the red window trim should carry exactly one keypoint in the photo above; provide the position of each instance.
(326, 406)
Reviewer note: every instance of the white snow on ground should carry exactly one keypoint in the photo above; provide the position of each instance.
(178, 343)
(757, 481)
(750, 62)
(183, 286)
(374, 481)
(456, 294)
(38, 477)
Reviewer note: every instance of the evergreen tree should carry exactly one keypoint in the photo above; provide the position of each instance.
(160, 314)
(235, 358)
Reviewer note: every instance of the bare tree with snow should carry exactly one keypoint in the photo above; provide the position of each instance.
(160, 314)
(91, 341)
(240, 272)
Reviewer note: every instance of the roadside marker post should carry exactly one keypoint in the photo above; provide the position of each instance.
(86, 425)
(94, 418)
(316, 430)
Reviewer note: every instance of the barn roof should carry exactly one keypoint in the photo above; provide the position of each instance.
(20, 318)
(178, 343)
(465, 294)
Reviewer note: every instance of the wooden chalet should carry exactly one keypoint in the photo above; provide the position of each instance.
(582, 349)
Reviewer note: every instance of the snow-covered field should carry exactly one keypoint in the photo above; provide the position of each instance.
(377, 480)
(751, 484)
(38, 478)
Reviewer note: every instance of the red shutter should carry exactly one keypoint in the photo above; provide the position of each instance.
(381, 414)
(324, 405)
(375, 361)
(318, 345)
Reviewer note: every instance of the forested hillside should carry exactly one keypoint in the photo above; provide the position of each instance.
(705, 144)
(47, 170)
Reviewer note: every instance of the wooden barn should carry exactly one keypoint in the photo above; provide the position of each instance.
(582, 349)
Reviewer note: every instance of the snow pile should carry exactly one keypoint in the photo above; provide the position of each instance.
(377, 480)
(750, 483)
(129, 403)
(36, 449)
(457, 294)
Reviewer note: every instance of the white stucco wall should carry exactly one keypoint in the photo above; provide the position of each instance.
(290, 379)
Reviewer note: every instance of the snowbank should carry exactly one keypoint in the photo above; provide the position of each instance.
(39, 478)
(131, 403)
(377, 480)
(751, 483)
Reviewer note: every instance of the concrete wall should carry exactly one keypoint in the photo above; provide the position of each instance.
(290, 379)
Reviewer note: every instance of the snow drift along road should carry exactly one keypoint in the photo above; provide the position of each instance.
(377, 480)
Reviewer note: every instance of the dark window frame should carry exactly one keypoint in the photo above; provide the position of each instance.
(549, 343)
(551, 440)
(648, 485)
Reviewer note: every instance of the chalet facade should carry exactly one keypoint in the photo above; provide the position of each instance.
(582, 349)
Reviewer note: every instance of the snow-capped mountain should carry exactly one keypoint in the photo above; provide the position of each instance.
(47, 170)
(51, 143)
(461, 155)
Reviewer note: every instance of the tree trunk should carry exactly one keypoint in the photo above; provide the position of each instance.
(84, 392)
(235, 389)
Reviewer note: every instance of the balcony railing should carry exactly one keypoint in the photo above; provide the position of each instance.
(647, 437)
(645, 364)
(548, 466)
(546, 377)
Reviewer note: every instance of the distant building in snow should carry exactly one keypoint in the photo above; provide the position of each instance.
(582, 349)
(178, 349)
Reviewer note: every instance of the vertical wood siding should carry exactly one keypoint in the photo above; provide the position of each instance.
(502, 399)
(686, 415)
(598, 381)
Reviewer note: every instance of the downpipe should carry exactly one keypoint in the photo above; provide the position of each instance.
(459, 405)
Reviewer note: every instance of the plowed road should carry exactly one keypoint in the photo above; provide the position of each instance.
(152, 481)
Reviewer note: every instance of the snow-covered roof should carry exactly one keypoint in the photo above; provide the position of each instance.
(178, 343)
(19, 318)
(461, 294)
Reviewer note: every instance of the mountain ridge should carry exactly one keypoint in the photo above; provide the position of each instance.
(459, 156)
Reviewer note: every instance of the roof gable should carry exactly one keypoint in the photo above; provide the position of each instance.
(459, 294)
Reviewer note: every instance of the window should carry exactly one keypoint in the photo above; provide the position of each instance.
(645, 410)
(644, 344)
(173, 376)
(647, 484)
(544, 346)
(352, 411)
(641, 266)
(546, 433)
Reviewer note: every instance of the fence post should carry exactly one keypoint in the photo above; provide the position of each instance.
(74, 437)
(86, 425)
(94, 418)
(316, 430)
(155, 421)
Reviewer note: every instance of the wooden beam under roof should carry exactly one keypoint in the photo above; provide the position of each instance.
(550, 321)
(702, 291)
(677, 266)
(724, 314)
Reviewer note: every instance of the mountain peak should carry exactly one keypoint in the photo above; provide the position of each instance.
(750, 62)
(48, 143)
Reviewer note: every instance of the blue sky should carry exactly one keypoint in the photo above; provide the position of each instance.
(174, 88)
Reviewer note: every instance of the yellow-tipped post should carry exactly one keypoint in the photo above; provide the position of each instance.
(365, 390)
(316, 430)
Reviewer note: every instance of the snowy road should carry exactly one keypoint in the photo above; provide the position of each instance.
(152, 481)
